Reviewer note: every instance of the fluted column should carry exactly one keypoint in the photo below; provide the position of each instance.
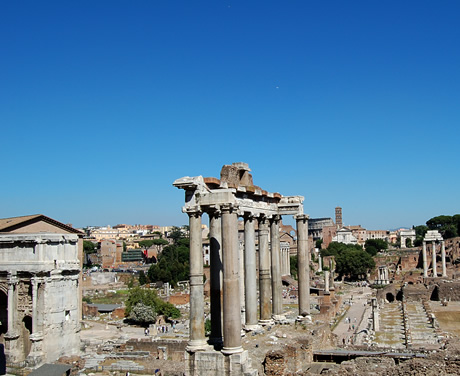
(215, 237)
(443, 257)
(435, 273)
(250, 272)
(264, 272)
(231, 301)
(303, 265)
(197, 340)
(277, 298)
(425, 261)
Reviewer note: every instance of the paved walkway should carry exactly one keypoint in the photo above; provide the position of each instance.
(355, 320)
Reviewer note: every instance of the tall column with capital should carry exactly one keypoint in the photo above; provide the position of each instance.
(197, 338)
(443, 258)
(435, 272)
(303, 265)
(264, 272)
(250, 272)
(425, 261)
(232, 306)
(277, 298)
(215, 237)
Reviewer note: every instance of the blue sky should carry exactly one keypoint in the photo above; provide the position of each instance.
(103, 104)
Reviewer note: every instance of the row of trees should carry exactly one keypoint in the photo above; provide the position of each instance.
(351, 260)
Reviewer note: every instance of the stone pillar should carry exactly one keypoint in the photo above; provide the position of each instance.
(277, 298)
(320, 262)
(250, 272)
(435, 273)
(34, 305)
(231, 303)
(303, 265)
(443, 257)
(425, 262)
(264, 272)
(326, 281)
(12, 347)
(215, 237)
(197, 339)
(241, 281)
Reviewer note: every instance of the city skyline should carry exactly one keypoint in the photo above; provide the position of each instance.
(103, 105)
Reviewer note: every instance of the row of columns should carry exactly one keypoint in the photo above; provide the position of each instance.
(434, 268)
(224, 260)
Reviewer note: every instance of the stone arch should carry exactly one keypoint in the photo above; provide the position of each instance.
(26, 332)
(435, 294)
(390, 297)
(3, 312)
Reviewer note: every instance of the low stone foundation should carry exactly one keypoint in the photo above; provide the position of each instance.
(214, 363)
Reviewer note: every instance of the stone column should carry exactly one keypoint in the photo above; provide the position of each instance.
(303, 265)
(320, 262)
(277, 298)
(326, 281)
(13, 347)
(264, 272)
(443, 257)
(425, 263)
(435, 273)
(250, 272)
(232, 307)
(215, 237)
(241, 280)
(34, 305)
(197, 339)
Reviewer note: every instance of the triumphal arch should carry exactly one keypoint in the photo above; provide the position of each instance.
(224, 200)
(39, 289)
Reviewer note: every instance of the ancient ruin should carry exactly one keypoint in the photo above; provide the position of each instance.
(39, 289)
(224, 200)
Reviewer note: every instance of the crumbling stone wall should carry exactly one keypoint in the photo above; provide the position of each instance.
(175, 349)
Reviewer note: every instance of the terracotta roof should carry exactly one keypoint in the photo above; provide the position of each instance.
(10, 224)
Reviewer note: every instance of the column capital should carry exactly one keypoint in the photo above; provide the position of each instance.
(302, 217)
(214, 211)
(229, 208)
(194, 211)
(249, 215)
(275, 218)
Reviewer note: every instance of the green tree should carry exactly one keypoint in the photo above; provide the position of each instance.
(146, 243)
(160, 243)
(351, 260)
(142, 314)
(142, 278)
(354, 264)
(447, 225)
(89, 247)
(375, 245)
(293, 262)
(420, 232)
(408, 243)
(318, 243)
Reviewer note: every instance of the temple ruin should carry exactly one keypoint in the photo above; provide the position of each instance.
(224, 200)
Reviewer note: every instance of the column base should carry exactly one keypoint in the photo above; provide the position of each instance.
(304, 319)
(197, 345)
(278, 318)
(266, 322)
(231, 350)
(252, 327)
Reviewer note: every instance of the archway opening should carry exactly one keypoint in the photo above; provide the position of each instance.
(3, 313)
(390, 297)
(435, 294)
(26, 332)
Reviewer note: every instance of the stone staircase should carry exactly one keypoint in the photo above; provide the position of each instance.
(420, 330)
(391, 333)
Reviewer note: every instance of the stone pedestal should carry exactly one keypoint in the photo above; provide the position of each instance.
(36, 355)
(212, 363)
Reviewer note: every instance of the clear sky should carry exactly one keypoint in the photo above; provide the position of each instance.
(103, 104)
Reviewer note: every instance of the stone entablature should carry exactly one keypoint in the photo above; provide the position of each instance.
(39, 296)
